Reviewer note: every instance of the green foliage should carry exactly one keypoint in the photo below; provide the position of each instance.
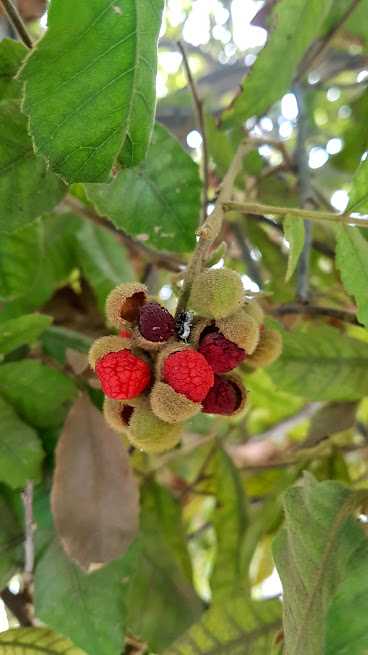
(20, 331)
(322, 364)
(159, 199)
(11, 538)
(35, 640)
(229, 521)
(105, 58)
(98, 600)
(38, 189)
(236, 627)
(11, 57)
(296, 24)
(315, 565)
(352, 261)
(20, 449)
(40, 394)
(20, 254)
(294, 233)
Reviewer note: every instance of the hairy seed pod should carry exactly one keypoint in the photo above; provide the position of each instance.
(124, 302)
(118, 413)
(171, 406)
(105, 345)
(268, 350)
(254, 309)
(242, 329)
(217, 293)
(148, 433)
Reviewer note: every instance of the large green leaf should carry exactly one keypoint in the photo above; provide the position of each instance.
(21, 453)
(159, 199)
(20, 260)
(91, 609)
(103, 259)
(27, 187)
(101, 93)
(236, 627)
(314, 553)
(229, 520)
(352, 262)
(322, 364)
(294, 233)
(12, 54)
(40, 394)
(24, 330)
(161, 574)
(35, 641)
(296, 23)
(56, 340)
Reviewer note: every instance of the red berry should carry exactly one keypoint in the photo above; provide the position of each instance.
(188, 373)
(155, 322)
(123, 375)
(224, 397)
(125, 333)
(222, 355)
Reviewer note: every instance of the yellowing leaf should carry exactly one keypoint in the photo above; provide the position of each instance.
(35, 641)
(94, 495)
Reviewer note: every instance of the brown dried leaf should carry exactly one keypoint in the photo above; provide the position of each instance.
(95, 496)
(77, 361)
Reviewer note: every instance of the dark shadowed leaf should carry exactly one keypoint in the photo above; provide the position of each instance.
(90, 609)
(21, 452)
(313, 555)
(236, 627)
(94, 495)
(11, 539)
(35, 641)
(330, 419)
(23, 330)
(20, 255)
(160, 586)
(38, 189)
(159, 199)
(101, 94)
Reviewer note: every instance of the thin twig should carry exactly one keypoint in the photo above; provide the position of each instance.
(260, 209)
(29, 530)
(201, 125)
(17, 22)
(305, 195)
(315, 311)
(211, 228)
(315, 54)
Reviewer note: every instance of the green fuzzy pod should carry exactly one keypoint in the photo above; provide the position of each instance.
(148, 433)
(217, 293)
(268, 350)
(170, 406)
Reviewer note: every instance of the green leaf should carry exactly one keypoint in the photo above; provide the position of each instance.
(41, 395)
(20, 331)
(229, 521)
(159, 199)
(358, 197)
(313, 554)
(12, 54)
(296, 23)
(103, 259)
(294, 233)
(235, 627)
(37, 189)
(56, 340)
(11, 540)
(352, 262)
(322, 364)
(21, 453)
(35, 641)
(20, 255)
(159, 578)
(91, 609)
(101, 93)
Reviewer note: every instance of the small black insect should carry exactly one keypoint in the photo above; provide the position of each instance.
(184, 324)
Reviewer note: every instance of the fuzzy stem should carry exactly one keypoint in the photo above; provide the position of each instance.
(17, 22)
(211, 228)
(294, 212)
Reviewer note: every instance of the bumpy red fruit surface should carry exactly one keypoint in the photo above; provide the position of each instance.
(223, 398)
(188, 373)
(222, 355)
(125, 333)
(123, 375)
(155, 322)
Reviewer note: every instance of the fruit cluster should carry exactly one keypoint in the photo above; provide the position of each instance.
(160, 371)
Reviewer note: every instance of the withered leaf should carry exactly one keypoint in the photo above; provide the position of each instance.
(95, 499)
